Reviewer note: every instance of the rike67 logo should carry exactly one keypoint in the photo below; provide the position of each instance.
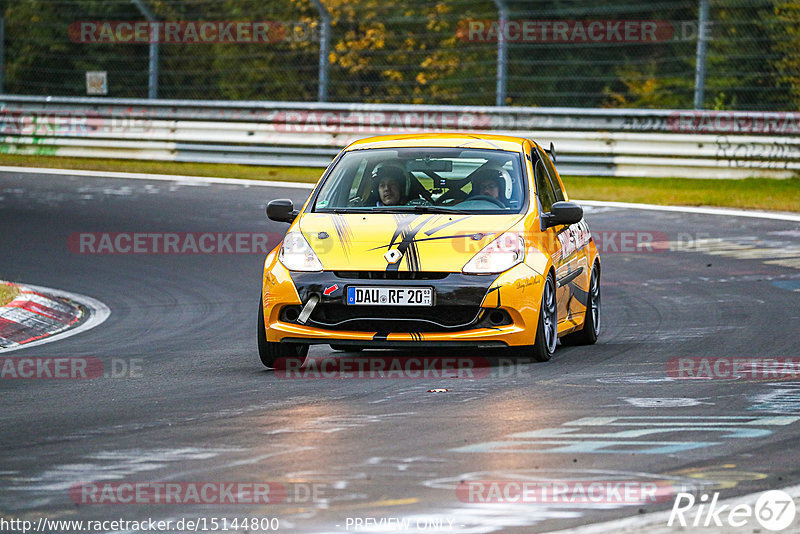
(774, 510)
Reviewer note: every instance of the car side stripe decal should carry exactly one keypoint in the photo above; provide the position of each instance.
(497, 289)
(445, 225)
(424, 239)
(344, 233)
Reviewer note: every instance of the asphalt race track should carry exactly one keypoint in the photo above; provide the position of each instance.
(192, 402)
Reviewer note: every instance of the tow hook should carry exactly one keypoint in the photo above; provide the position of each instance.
(307, 309)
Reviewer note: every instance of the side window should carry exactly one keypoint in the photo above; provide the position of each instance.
(544, 189)
(345, 180)
(358, 181)
(552, 172)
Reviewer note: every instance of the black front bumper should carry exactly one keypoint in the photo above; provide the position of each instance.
(457, 303)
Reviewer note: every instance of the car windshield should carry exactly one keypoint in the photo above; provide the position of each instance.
(424, 180)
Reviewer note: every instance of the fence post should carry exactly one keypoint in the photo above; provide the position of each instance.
(324, 50)
(152, 69)
(2, 51)
(502, 53)
(700, 65)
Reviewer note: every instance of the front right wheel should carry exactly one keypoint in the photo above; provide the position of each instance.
(277, 354)
(591, 321)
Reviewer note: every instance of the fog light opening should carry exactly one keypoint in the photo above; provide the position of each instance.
(291, 314)
(497, 317)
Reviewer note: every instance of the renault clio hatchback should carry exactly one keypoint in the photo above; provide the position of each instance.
(435, 240)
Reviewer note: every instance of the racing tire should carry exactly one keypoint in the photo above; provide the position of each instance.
(347, 348)
(547, 326)
(276, 355)
(591, 321)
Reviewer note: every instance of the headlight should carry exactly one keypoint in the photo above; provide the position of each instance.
(498, 256)
(297, 255)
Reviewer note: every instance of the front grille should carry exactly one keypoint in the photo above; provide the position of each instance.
(334, 316)
(390, 275)
(444, 315)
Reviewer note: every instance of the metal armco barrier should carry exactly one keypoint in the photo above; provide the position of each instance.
(592, 142)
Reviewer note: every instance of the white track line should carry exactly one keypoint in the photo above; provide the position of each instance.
(779, 216)
(98, 313)
(195, 180)
(206, 180)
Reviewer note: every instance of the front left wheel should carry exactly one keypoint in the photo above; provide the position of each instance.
(277, 354)
(544, 344)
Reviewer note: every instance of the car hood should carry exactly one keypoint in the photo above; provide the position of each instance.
(428, 242)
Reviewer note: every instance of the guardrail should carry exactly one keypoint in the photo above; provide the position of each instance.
(596, 142)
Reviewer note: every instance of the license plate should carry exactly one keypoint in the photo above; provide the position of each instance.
(390, 296)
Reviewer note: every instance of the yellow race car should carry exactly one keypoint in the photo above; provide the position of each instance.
(433, 240)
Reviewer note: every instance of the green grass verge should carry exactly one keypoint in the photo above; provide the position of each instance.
(7, 292)
(751, 193)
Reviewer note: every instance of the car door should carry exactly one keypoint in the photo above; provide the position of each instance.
(571, 269)
(545, 194)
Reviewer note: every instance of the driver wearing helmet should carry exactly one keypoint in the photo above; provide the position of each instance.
(489, 183)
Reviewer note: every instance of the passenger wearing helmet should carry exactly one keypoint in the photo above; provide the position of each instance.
(390, 183)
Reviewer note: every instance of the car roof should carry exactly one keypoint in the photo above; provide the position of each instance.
(464, 140)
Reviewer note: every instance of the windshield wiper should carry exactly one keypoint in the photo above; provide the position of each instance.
(394, 209)
(424, 209)
(344, 210)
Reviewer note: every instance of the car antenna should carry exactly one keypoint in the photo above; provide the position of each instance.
(552, 152)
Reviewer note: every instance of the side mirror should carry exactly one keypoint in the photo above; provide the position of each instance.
(281, 210)
(552, 152)
(562, 213)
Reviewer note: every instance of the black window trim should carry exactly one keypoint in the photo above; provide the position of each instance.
(546, 173)
(539, 155)
(312, 201)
